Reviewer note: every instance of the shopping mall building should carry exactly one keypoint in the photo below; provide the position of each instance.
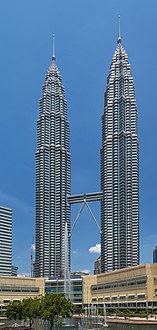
(128, 288)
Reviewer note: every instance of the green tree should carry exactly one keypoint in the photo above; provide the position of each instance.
(26, 310)
(31, 309)
(14, 310)
(51, 307)
(55, 306)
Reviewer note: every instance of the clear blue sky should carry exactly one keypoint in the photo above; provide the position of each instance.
(86, 37)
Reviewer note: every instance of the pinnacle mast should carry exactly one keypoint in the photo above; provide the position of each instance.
(119, 38)
(53, 48)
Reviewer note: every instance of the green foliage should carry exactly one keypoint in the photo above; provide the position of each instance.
(55, 306)
(26, 310)
(31, 309)
(52, 307)
(14, 310)
(100, 312)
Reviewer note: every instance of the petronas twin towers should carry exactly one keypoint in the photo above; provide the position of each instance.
(119, 172)
(119, 168)
(53, 181)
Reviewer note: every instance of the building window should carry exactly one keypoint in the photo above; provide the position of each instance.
(131, 296)
(122, 297)
(141, 296)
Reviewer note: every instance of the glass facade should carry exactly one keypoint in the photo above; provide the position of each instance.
(56, 285)
(119, 168)
(53, 176)
(5, 241)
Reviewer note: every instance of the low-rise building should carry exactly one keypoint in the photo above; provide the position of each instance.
(19, 288)
(128, 288)
(56, 285)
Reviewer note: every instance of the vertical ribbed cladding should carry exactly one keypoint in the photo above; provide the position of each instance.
(5, 241)
(119, 168)
(53, 176)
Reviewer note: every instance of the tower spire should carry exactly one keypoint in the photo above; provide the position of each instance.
(119, 38)
(53, 48)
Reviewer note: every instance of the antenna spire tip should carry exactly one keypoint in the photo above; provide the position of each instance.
(53, 47)
(119, 38)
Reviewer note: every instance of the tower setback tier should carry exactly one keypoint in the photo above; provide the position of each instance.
(119, 168)
(53, 176)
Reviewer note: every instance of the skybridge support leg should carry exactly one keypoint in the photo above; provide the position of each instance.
(79, 213)
(93, 216)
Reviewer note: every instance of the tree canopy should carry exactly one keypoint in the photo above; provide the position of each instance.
(51, 307)
(14, 310)
(54, 306)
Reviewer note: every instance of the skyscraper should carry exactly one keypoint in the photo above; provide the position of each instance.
(53, 171)
(119, 167)
(5, 241)
(155, 255)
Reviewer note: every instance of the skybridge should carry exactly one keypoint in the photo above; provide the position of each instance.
(84, 199)
(89, 197)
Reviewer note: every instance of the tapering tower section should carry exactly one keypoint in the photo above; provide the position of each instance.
(119, 168)
(53, 176)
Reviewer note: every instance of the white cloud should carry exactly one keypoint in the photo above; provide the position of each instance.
(95, 249)
(75, 252)
(86, 271)
(24, 275)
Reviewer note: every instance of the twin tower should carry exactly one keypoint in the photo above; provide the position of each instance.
(119, 172)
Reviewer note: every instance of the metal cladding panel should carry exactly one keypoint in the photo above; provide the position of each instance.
(5, 241)
(119, 168)
(53, 179)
